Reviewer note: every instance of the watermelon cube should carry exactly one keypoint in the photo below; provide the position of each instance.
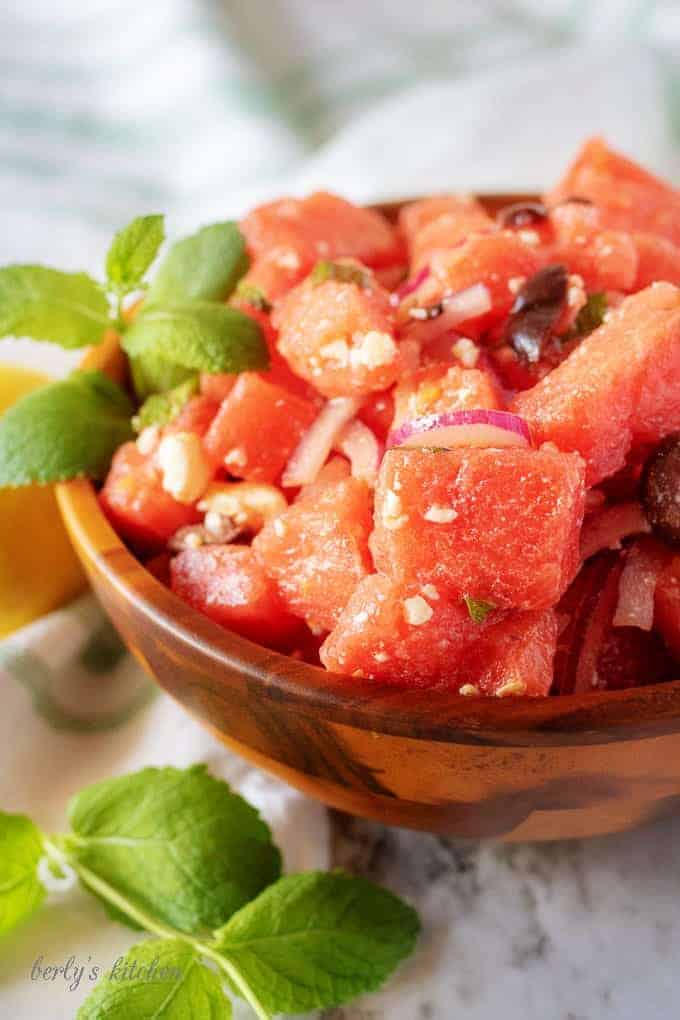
(628, 197)
(437, 388)
(257, 427)
(604, 259)
(617, 389)
(414, 636)
(228, 584)
(329, 225)
(499, 525)
(445, 222)
(658, 259)
(339, 336)
(139, 508)
(317, 550)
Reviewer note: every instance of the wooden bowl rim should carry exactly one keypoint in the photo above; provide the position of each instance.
(423, 714)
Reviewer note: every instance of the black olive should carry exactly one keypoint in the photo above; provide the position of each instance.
(661, 490)
(536, 309)
(522, 214)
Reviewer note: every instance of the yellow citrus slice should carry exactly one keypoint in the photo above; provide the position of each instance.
(38, 568)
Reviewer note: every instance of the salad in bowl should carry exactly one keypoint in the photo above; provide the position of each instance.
(441, 451)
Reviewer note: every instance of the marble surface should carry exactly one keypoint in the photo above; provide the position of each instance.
(577, 930)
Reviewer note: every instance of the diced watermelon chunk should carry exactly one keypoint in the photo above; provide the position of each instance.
(604, 259)
(378, 413)
(497, 525)
(667, 606)
(445, 222)
(629, 197)
(134, 500)
(617, 389)
(658, 259)
(228, 584)
(497, 260)
(340, 336)
(330, 225)
(336, 470)
(444, 387)
(412, 636)
(317, 550)
(277, 270)
(257, 428)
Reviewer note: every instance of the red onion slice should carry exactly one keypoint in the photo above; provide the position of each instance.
(359, 444)
(312, 451)
(644, 562)
(467, 304)
(606, 529)
(478, 427)
(409, 286)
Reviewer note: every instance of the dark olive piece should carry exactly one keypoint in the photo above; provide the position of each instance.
(661, 490)
(522, 214)
(536, 309)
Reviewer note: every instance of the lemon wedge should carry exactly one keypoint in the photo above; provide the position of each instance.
(38, 568)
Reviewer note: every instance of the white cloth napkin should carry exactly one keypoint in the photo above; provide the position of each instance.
(113, 108)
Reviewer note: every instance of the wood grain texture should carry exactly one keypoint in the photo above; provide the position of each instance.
(517, 769)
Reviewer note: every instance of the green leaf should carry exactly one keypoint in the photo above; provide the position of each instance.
(202, 335)
(591, 315)
(20, 888)
(178, 844)
(317, 940)
(344, 272)
(206, 266)
(64, 430)
(151, 374)
(478, 609)
(161, 408)
(160, 979)
(132, 251)
(66, 308)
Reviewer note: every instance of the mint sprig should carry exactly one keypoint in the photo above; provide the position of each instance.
(64, 430)
(176, 853)
(72, 428)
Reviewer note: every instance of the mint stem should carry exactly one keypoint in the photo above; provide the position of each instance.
(107, 892)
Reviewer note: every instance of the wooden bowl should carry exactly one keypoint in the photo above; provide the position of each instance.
(518, 769)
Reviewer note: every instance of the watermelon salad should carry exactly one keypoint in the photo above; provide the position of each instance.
(461, 468)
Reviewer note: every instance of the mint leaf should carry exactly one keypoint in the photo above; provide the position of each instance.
(160, 979)
(161, 408)
(316, 940)
(132, 251)
(151, 374)
(478, 609)
(344, 272)
(591, 315)
(206, 266)
(178, 844)
(20, 888)
(64, 430)
(202, 335)
(66, 308)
